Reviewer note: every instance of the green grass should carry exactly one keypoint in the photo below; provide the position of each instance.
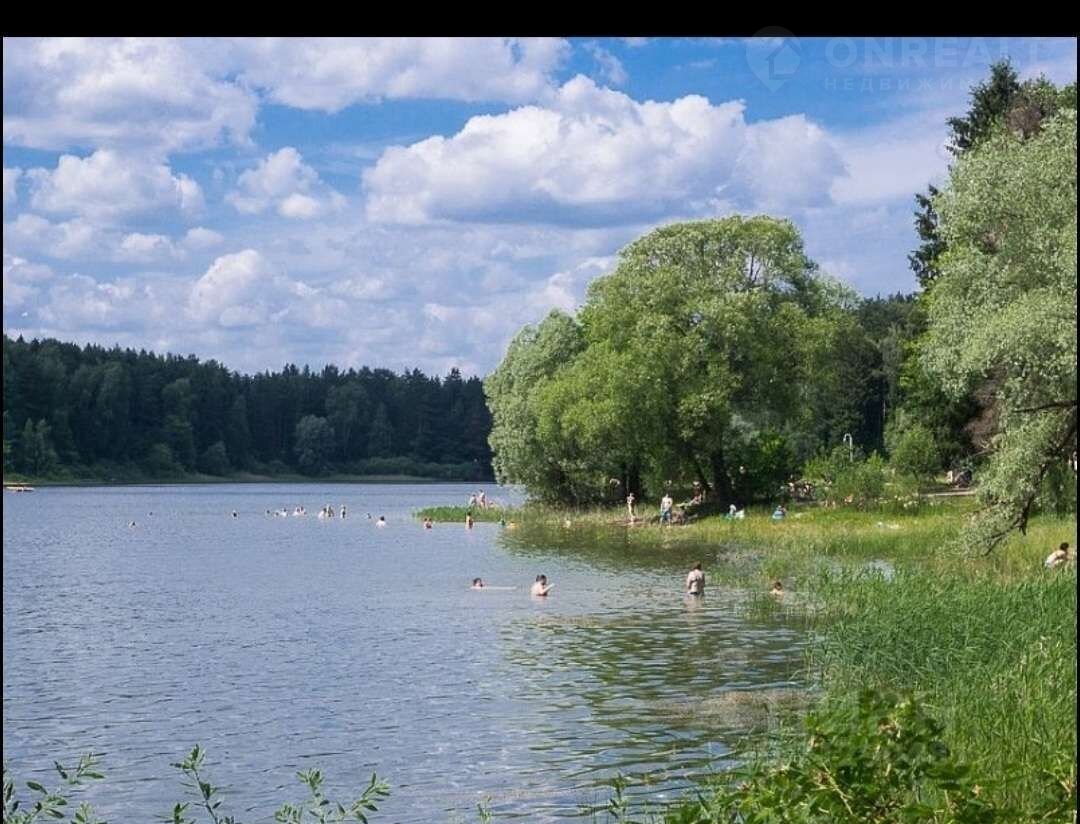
(986, 643)
(993, 657)
(456, 514)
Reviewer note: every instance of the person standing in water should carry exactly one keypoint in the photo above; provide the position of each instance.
(695, 581)
(540, 586)
(468, 520)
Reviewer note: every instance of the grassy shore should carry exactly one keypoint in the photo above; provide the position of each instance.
(987, 644)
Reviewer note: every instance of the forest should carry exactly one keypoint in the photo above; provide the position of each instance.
(117, 414)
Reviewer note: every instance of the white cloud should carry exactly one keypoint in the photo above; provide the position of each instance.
(22, 280)
(154, 93)
(229, 284)
(142, 248)
(594, 156)
(67, 240)
(11, 180)
(282, 180)
(200, 238)
(331, 73)
(107, 186)
(246, 289)
(611, 68)
(80, 302)
(894, 159)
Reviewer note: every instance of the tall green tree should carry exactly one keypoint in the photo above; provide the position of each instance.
(1004, 308)
(533, 357)
(314, 444)
(708, 342)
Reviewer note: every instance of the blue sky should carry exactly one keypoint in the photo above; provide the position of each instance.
(414, 202)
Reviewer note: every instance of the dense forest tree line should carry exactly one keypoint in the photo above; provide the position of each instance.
(717, 354)
(99, 412)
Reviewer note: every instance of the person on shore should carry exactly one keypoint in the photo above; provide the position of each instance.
(665, 508)
(777, 588)
(481, 499)
(478, 583)
(630, 506)
(540, 586)
(468, 520)
(1058, 557)
(695, 581)
(779, 513)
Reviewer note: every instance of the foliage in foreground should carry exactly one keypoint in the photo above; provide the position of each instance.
(317, 807)
(879, 759)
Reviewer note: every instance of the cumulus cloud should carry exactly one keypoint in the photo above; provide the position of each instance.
(66, 240)
(611, 68)
(22, 281)
(283, 181)
(246, 289)
(143, 248)
(331, 73)
(11, 180)
(594, 156)
(81, 303)
(892, 161)
(230, 284)
(108, 186)
(153, 93)
(200, 238)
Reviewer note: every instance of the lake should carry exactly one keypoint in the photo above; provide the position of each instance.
(285, 643)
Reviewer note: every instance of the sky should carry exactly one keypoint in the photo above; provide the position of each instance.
(412, 203)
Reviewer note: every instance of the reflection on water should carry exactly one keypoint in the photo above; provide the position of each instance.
(285, 643)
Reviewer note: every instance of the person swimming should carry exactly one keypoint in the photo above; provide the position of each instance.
(234, 514)
(381, 521)
(540, 586)
(478, 583)
(428, 523)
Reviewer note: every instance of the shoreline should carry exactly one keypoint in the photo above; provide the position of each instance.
(247, 479)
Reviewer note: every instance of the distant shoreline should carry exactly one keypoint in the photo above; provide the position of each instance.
(242, 479)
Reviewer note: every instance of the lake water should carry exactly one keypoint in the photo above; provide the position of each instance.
(281, 644)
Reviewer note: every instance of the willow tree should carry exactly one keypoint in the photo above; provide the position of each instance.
(1004, 310)
(691, 359)
(533, 358)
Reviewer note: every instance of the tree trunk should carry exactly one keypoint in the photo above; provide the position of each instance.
(722, 492)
